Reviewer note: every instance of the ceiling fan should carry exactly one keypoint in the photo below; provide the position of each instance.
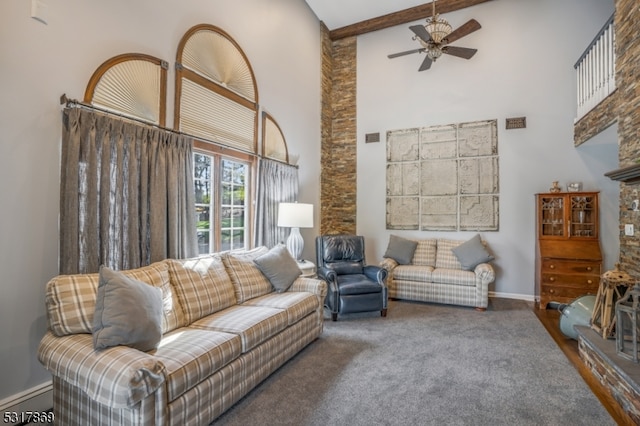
(435, 36)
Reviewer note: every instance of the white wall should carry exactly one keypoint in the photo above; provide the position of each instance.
(524, 67)
(38, 63)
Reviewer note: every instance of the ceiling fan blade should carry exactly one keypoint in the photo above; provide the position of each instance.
(421, 32)
(461, 52)
(407, 52)
(466, 29)
(426, 64)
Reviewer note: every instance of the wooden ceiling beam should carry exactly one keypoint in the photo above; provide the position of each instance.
(401, 17)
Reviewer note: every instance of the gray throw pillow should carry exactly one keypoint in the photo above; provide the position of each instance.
(471, 253)
(400, 249)
(280, 268)
(128, 312)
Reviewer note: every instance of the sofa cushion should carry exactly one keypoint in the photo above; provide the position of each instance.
(425, 254)
(71, 299)
(248, 281)
(471, 253)
(297, 304)
(191, 355)
(413, 273)
(128, 312)
(453, 276)
(280, 268)
(202, 286)
(444, 255)
(400, 249)
(254, 324)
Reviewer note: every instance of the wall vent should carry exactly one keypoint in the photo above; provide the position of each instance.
(372, 137)
(516, 123)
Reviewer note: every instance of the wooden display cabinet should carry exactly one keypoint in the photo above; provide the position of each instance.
(568, 256)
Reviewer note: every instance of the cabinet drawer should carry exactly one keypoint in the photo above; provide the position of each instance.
(571, 280)
(571, 266)
(565, 293)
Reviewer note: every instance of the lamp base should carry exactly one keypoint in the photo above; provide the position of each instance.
(295, 244)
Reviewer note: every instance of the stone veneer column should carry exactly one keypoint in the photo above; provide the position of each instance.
(626, 21)
(338, 138)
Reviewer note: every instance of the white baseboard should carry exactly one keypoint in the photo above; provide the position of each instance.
(37, 399)
(528, 298)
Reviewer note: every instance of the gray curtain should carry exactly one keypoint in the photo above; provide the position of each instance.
(277, 183)
(126, 193)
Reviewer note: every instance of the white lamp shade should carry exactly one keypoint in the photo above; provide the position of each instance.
(295, 215)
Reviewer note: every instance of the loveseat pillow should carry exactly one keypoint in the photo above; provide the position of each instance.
(128, 312)
(471, 253)
(279, 267)
(401, 249)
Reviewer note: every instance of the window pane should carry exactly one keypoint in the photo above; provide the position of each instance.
(227, 194)
(225, 236)
(204, 242)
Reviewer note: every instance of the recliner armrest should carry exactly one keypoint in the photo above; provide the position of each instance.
(375, 273)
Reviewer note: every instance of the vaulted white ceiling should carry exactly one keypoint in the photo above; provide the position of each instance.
(340, 13)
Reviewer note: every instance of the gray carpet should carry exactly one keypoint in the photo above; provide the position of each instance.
(426, 364)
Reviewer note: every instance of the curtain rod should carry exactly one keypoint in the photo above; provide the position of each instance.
(74, 103)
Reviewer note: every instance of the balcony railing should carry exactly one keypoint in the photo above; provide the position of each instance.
(596, 70)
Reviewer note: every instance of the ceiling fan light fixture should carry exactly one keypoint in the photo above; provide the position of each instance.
(438, 28)
(433, 53)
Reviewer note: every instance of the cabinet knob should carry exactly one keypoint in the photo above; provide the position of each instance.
(552, 291)
(552, 266)
(589, 282)
(589, 268)
(552, 279)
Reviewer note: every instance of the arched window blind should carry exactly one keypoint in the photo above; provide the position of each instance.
(274, 145)
(216, 94)
(132, 84)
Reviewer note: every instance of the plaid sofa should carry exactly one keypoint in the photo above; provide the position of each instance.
(224, 331)
(436, 275)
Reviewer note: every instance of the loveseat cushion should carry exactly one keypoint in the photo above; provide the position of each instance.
(191, 355)
(413, 273)
(297, 304)
(71, 299)
(445, 258)
(254, 324)
(425, 254)
(453, 276)
(202, 285)
(248, 281)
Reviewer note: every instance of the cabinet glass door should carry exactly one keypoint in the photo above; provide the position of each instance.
(552, 216)
(583, 216)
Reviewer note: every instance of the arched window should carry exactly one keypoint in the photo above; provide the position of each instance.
(216, 94)
(131, 84)
(274, 145)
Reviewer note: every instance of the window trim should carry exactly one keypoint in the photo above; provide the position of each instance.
(218, 153)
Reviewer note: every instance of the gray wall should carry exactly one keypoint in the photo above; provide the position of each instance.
(40, 62)
(524, 67)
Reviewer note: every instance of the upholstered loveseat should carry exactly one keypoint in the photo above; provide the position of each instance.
(439, 270)
(224, 329)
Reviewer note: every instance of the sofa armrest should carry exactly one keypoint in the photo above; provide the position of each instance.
(312, 285)
(485, 273)
(388, 264)
(118, 377)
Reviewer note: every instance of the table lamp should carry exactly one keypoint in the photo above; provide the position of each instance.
(295, 216)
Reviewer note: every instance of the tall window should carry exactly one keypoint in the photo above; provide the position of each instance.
(222, 202)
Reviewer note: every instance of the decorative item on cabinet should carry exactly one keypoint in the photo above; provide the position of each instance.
(555, 186)
(568, 256)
